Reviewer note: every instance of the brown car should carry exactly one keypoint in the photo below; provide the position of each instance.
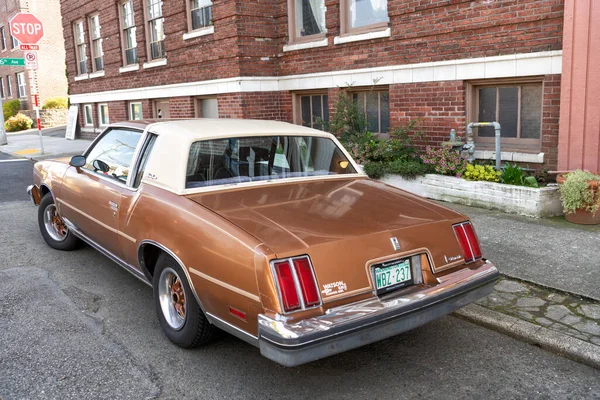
(264, 229)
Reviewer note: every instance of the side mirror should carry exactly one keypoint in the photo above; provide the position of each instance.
(101, 166)
(77, 161)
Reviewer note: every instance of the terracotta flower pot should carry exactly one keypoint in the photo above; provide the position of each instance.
(582, 216)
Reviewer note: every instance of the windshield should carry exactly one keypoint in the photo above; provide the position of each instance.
(247, 159)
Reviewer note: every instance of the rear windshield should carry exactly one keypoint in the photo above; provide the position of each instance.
(247, 159)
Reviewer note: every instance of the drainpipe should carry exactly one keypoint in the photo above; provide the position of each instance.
(470, 146)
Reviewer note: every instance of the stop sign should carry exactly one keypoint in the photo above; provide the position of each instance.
(26, 28)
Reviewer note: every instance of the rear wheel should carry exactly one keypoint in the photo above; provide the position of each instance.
(53, 228)
(179, 314)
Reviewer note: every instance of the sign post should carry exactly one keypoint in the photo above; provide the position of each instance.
(28, 30)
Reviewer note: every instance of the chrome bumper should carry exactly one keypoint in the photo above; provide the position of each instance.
(30, 193)
(357, 324)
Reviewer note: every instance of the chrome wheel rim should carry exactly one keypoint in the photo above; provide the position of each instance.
(54, 224)
(172, 299)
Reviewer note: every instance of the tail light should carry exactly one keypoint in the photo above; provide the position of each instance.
(468, 241)
(296, 283)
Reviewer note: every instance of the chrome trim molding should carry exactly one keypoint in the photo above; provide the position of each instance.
(353, 325)
(225, 285)
(128, 267)
(177, 259)
(29, 189)
(233, 330)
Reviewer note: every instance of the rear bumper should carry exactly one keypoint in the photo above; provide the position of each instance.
(34, 194)
(354, 325)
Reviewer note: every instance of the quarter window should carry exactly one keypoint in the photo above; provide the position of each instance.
(200, 14)
(112, 155)
(21, 84)
(80, 48)
(97, 53)
(103, 114)
(314, 110)
(361, 15)
(156, 31)
(376, 106)
(518, 109)
(307, 19)
(128, 32)
(148, 146)
(87, 110)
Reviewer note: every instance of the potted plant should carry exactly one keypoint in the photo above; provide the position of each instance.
(580, 196)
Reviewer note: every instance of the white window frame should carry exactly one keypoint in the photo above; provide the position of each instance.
(87, 122)
(126, 31)
(191, 9)
(294, 37)
(346, 25)
(80, 47)
(101, 121)
(150, 22)
(9, 83)
(96, 41)
(133, 103)
(2, 88)
(3, 38)
(14, 42)
(21, 84)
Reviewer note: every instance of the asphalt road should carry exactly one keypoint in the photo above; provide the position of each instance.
(73, 325)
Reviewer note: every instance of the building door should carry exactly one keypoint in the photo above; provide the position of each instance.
(161, 109)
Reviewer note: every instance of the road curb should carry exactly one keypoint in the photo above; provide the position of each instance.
(548, 339)
(554, 289)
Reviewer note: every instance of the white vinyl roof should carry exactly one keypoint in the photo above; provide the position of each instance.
(168, 161)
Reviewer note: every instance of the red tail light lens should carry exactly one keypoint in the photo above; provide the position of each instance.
(287, 287)
(307, 281)
(473, 240)
(465, 234)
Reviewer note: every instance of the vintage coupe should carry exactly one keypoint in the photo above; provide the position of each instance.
(264, 229)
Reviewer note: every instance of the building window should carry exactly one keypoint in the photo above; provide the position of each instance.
(97, 53)
(307, 19)
(376, 106)
(80, 48)
(518, 109)
(9, 84)
(88, 118)
(128, 33)
(3, 37)
(21, 84)
(364, 15)
(103, 114)
(200, 14)
(2, 88)
(135, 111)
(156, 31)
(14, 42)
(313, 110)
(161, 109)
(207, 107)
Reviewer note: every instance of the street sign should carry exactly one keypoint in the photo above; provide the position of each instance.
(31, 60)
(26, 28)
(12, 62)
(26, 47)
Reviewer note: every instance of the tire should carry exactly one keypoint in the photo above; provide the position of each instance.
(53, 229)
(169, 282)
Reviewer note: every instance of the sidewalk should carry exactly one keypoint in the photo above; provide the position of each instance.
(27, 144)
(549, 294)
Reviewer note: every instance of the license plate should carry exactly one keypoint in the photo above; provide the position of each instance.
(389, 277)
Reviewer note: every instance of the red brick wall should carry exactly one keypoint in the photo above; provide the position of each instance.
(550, 117)
(182, 107)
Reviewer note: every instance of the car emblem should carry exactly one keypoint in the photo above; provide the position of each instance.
(395, 243)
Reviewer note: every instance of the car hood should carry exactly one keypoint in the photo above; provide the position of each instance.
(290, 217)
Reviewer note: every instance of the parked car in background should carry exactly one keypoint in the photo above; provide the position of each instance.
(264, 229)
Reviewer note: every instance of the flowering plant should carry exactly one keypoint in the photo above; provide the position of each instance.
(445, 161)
(18, 122)
(482, 173)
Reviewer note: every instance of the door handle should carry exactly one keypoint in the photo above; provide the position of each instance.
(113, 206)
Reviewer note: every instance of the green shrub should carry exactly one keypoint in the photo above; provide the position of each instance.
(445, 161)
(481, 173)
(408, 169)
(55, 103)
(18, 122)
(11, 108)
(576, 193)
(515, 175)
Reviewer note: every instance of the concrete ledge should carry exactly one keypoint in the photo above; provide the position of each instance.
(533, 158)
(532, 202)
(547, 339)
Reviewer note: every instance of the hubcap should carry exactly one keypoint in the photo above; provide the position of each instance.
(54, 224)
(172, 298)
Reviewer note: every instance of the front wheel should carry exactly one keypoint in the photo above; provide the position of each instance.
(53, 228)
(179, 314)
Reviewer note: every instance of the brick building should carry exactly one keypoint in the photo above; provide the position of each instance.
(15, 82)
(446, 62)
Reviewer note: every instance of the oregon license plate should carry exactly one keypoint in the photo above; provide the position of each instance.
(391, 276)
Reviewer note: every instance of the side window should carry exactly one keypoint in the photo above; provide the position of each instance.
(144, 161)
(112, 155)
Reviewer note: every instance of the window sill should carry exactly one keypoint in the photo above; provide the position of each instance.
(532, 158)
(362, 36)
(97, 74)
(307, 45)
(90, 129)
(209, 30)
(82, 77)
(154, 64)
(129, 68)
